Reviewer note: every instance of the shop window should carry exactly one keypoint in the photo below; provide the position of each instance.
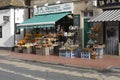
(88, 13)
(0, 31)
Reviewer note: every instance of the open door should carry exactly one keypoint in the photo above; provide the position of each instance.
(112, 38)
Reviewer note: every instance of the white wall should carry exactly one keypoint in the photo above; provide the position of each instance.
(20, 16)
(8, 28)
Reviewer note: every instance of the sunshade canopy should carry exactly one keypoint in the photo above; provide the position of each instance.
(47, 20)
(108, 15)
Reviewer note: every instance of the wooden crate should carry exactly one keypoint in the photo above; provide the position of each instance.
(27, 50)
(51, 50)
(18, 49)
(46, 51)
(39, 51)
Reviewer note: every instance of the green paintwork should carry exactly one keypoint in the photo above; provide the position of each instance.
(87, 27)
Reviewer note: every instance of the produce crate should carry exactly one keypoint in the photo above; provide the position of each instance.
(86, 55)
(18, 49)
(68, 53)
(39, 51)
(62, 53)
(46, 51)
(72, 54)
(33, 50)
(27, 50)
(100, 52)
(51, 50)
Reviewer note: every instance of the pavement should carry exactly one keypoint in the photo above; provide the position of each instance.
(110, 63)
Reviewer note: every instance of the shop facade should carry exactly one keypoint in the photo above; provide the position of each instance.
(84, 9)
(110, 19)
(49, 28)
(60, 20)
(10, 15)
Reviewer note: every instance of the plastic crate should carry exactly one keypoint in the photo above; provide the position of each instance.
(100, 52)
(62, 53)
(72, 54)
(78, 51)
(68, 54)
(85, 55)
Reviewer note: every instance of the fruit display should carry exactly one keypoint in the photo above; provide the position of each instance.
(22, 42)
(38, 40)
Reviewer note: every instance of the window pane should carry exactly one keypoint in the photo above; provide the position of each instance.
(0, 31)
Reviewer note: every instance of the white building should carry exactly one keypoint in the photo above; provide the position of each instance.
(12, 12)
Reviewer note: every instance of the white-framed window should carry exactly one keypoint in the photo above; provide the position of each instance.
(88, 13)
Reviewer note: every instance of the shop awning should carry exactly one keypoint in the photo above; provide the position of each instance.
(108, 15)
(47, 20)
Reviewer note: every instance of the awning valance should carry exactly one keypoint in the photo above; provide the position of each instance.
(108, 15)
(47, 20)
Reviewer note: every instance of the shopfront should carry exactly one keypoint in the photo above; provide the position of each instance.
(111, 23)
(50, 27)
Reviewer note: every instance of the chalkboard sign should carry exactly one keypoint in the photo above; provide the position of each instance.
(76, 20)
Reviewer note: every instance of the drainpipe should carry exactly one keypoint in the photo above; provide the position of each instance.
(14, 27)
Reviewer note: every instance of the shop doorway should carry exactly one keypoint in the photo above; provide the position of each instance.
(112, 38)
(87, 27)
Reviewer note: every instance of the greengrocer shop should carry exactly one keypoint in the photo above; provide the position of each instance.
(50, 29)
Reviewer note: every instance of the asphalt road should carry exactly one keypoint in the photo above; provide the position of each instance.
(14, 69)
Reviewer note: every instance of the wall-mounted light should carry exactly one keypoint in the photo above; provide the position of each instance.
(70, 16)
(35, 6)
(46, 4)
(58, 2)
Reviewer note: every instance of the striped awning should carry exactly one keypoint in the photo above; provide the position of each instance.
(108, 15)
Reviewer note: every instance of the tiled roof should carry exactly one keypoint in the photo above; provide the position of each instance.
(4, 3)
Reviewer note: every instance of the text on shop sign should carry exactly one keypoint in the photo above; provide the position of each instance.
(102, 3)
(53, 9)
